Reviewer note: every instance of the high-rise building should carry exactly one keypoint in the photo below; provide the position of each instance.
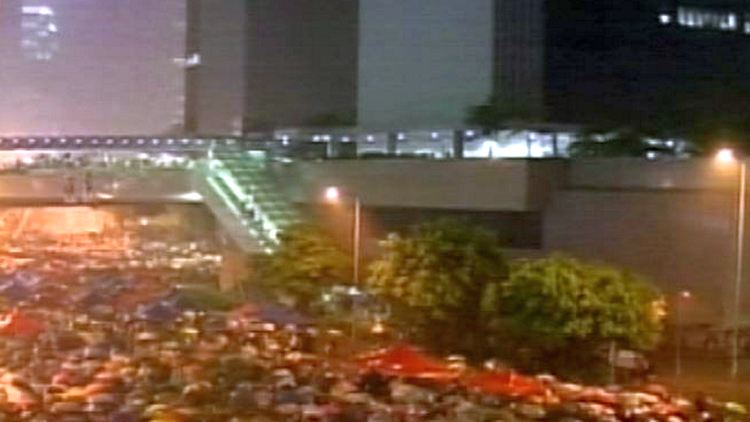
(39, 39)
(91, 66)
(378, 64)
(654, 63)
(266, 63)
(519, 55)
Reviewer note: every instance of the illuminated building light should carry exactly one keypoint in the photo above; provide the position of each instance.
(401, 136)
(434, 135)
(665, 18)
(38, 10)
(703, 18)
(193, 60)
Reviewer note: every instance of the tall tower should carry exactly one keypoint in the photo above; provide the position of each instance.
(519, 55)
(39, 33)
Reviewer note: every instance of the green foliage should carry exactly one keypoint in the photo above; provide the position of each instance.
(442, 272)
(623, 144)
(559, 301)
(495, 114)
(306, 262)
(202, 297)
(332, 120)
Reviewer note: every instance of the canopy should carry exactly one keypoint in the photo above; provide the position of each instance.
(407, 361)
(17, 324)
(158, 312)
(507, 383)
(16, 291)
(199, 298)
(279, 315)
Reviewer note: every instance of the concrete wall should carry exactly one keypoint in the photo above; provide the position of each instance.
(681, 240)
(217, 86)
(502, 185)
(146, 186)
(301, 62)
(635, 173)
(422, 63)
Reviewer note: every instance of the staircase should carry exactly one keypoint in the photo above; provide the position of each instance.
(239, 190)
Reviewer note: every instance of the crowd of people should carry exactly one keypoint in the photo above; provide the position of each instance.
(83, 338)
(137, 347)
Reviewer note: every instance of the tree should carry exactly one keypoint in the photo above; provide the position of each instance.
(441, 273)
(560, 305)
(495, 114)
(625, 143)
(306, 262)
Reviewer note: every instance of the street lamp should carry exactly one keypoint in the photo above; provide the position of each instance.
(725, 156)
(333, 194)
(684, 296)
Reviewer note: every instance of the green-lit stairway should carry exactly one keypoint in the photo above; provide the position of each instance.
(239, 189)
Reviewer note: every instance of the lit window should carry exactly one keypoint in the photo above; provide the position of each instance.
(665, 19)
(701, 18)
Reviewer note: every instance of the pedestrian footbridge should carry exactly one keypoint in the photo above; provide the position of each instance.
(236, 185)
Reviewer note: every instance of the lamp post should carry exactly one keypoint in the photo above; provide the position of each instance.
(333, 195)
(727, 156)
(681, 299)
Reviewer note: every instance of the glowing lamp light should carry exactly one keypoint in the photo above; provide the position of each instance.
(378, 328)
(332, 194)
(686, 294)
(725, 156)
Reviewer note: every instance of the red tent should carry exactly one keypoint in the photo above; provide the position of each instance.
(17, 324)
(406, 361)
(505, 384)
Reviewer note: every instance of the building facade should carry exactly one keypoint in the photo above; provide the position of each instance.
(651, 63)
(72, 67)
(375, 64)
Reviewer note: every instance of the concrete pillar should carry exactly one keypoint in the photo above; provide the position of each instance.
(235, 268)
(459, 136)
(392, 143)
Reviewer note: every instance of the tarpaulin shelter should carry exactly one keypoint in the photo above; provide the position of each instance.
(17, 324)
(506, 383)
(408, 362)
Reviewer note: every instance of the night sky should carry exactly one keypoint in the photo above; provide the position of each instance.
(114, 70)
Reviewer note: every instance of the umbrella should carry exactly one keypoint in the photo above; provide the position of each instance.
(20, 325)
(505, 384)
(16, 291)
(280, 315)
(199, 298)
(159, 312)
(406, 361)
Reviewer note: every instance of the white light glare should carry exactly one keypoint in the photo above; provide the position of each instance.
(332, 194)
(725, 155)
